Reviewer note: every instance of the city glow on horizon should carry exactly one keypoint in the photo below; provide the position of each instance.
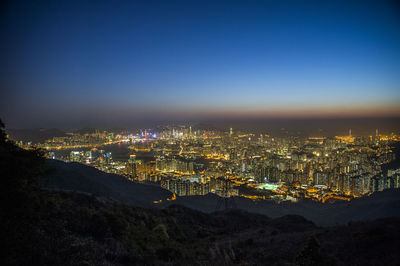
(254, 112)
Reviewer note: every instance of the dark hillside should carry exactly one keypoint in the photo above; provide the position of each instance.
(379, 205)
(78, 229)
(79, 177)
(48, 227)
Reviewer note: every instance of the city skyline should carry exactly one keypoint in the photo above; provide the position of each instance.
(188, 161)
(200, 132)
(128, 62)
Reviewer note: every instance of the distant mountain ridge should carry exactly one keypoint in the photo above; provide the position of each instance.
(35, 135)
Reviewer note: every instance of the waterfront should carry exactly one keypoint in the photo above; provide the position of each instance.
(190, 161)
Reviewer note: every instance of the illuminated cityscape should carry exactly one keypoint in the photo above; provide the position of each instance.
(229, 163)
(198, 132)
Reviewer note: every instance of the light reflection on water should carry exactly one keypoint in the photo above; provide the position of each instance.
(120, 152)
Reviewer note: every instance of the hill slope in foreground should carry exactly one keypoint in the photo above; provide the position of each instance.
(77, 229)
(53, 227)
(78, 177)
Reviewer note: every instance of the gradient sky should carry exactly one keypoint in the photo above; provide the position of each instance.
(76, 62)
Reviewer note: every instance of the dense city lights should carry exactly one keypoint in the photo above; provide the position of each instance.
(189, 161)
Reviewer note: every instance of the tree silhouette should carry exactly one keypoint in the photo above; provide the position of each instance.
(19, 196)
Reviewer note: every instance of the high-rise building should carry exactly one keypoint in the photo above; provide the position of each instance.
(131, 166)
(75, 156)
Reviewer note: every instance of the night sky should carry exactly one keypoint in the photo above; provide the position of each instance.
(86, 63)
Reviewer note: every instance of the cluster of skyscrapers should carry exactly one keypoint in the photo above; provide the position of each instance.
(189, 161)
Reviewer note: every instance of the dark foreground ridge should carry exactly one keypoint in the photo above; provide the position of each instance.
(53, 227)
(77, 229)
(79, 177)
(102, 231)
(378, 205)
